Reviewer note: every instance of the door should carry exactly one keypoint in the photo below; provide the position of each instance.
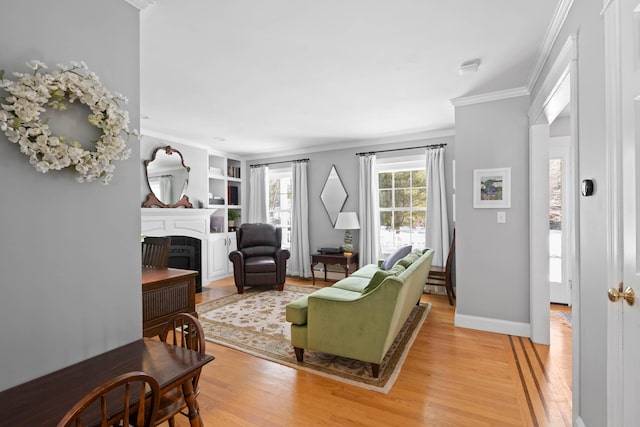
(630, 93)
(218, 255)
(559, 219)
(232, 245)
(622, 31)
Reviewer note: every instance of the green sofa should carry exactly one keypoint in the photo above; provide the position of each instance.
(359, 316)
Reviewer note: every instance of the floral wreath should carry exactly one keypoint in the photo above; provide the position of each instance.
(29, 93)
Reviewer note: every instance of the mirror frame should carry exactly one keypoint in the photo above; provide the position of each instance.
(333, 172)
(152, 199)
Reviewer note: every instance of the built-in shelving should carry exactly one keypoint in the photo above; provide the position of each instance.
(225, 191)
(225, 177)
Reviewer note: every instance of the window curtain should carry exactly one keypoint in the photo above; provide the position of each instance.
(369, 240)
(298, 264)
(437, 233)
(258, 191)
(165, 189)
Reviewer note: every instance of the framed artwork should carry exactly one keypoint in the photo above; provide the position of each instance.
(492, 188)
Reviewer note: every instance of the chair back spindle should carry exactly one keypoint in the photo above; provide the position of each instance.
(138, 393)
(155, 252)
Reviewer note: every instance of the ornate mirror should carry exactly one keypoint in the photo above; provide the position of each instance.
(333, 195)
(167, 178)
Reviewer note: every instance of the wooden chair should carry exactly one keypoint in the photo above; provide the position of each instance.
(155, 252)
(131, 390)
(441, 276)
(185, 331)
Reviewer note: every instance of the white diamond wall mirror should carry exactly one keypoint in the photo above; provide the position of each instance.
(333, 195)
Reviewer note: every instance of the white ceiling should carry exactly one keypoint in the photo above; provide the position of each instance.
(258, 77)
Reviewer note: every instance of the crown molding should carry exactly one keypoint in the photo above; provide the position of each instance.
(402, 138)
(168, 138)
(140, 4)
(393, 139)
(491, 96)
(559, 17)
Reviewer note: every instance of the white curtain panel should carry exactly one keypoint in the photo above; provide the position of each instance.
(298, 264)
(258, 193)
(369, 241)
(437, 233)
(165, 189)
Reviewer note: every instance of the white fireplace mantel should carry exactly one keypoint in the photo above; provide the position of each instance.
(156, 222)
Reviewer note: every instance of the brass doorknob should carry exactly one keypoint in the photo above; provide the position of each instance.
(628, 295)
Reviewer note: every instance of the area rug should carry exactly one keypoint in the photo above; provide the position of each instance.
(254, 323)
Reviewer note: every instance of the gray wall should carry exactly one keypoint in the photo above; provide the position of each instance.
(194, 157)
(321, 232)
(70, 262)
(585, 21)
(492, 260)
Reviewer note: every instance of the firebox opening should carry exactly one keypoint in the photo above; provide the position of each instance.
(185, 253)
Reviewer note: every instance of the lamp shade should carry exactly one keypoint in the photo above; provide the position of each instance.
(347, 221)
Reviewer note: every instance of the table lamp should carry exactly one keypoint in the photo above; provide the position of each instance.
(347, 221)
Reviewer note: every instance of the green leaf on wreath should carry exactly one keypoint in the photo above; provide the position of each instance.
(16, 123)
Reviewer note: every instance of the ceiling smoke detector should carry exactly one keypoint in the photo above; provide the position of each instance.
(469, 67)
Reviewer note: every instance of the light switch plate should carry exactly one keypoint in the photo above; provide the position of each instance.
(502, 217)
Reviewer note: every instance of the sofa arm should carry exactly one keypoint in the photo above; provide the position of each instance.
(237, 258)
(281, 256)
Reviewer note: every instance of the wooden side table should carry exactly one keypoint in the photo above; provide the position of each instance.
(165, 292)
(344, 260)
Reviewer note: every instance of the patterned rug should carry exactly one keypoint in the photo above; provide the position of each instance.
(254, 323)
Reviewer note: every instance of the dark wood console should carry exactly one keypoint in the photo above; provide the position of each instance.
(165, 292)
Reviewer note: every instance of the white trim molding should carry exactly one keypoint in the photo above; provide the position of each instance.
(557, 21)
(491, 96)
(140, 4)
(558, 71)
(492, 325)
(613, 60)
(565, 64)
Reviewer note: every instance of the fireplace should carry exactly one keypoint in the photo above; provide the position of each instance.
(185, 253)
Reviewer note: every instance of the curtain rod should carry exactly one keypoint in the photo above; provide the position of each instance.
(430, 147)
(276, 163)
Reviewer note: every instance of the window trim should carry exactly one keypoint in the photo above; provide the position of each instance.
(400, 164)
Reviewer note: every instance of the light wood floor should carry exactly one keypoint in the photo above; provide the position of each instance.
(451, 377)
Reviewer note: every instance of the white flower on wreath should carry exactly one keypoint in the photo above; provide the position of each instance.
(30, 93)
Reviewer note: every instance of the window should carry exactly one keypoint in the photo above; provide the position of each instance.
(280, 202)
(402, 187)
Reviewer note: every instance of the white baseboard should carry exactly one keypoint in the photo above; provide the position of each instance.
(493, 325)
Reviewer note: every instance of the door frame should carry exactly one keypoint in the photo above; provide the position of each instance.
(614, 262)
(564, 66)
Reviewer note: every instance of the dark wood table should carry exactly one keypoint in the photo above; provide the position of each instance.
(346, 261)
(45, 400)
(165, 292)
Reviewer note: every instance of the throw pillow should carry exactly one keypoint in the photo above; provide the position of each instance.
(379, 277)
(394, 257)
(409, 259)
